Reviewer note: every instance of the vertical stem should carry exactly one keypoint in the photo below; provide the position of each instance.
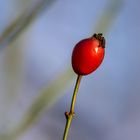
(70, 115)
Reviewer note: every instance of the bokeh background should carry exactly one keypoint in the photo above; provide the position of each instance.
(37, 81)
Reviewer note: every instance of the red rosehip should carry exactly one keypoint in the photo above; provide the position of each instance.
(88, 54)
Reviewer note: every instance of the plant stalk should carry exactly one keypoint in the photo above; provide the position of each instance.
(70, 115)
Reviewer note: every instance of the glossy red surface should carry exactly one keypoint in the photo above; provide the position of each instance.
(87, 56)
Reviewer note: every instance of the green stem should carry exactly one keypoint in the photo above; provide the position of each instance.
(70, 115)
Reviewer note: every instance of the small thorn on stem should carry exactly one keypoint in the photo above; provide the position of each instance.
(67, 114)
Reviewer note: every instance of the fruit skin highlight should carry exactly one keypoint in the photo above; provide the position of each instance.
(88, 54)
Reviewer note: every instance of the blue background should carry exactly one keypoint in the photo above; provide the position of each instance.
(108, 101)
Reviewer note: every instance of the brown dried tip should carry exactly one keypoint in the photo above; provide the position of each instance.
(100, 38)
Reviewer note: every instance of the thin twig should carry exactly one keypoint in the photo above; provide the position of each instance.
(70, 115)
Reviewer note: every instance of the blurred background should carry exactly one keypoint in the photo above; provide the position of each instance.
(36, 79)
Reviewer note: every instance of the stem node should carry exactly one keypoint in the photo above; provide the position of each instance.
(69, 115)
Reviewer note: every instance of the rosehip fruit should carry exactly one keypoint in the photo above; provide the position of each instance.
(88, 54)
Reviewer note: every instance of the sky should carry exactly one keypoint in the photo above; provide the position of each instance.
(108, 104)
